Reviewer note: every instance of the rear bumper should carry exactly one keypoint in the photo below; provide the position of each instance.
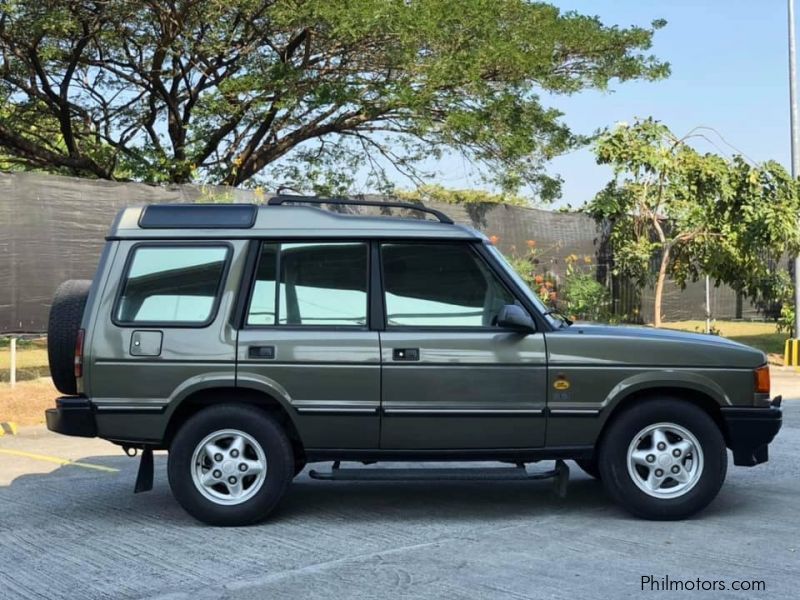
(750, 430)
(72, 416)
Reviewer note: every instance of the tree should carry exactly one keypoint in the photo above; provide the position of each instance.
(222, 91)
(437, 193)
(694, 214)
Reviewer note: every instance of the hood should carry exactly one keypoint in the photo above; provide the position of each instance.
(648, 346)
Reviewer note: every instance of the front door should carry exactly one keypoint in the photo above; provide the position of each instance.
(451, 378)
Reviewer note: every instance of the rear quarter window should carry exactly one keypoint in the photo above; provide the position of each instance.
(177, 285)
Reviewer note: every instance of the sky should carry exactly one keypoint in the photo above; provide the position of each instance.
(729, 61)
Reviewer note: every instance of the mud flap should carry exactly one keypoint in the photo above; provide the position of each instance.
(561, 478)
(144, 479)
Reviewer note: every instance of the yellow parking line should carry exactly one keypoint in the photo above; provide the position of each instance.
(57, 460)
(8, 427)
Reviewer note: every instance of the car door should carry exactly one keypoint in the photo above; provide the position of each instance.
(306, 337)
(452, 379)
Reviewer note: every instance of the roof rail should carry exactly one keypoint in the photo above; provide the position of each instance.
(283, 198)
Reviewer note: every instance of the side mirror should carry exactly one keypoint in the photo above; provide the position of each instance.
(514, 317)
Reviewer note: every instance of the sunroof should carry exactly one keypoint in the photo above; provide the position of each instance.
(198, 216)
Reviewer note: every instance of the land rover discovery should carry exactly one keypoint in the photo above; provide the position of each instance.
(251, 340)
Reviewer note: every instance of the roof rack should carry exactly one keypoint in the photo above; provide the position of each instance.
(282, 199)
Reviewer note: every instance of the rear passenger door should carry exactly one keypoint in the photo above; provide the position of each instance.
(451, 378)
(306, 336)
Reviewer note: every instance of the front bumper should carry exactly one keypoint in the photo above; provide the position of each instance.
(750, 430)
(72, 416)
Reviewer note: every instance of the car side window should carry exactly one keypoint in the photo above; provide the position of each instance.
(171, 285)
(321, 284)
(263, 299)
(440, 284)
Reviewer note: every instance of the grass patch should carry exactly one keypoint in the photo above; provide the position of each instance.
(26, 357)
(24, 342)
(758, 334)
(31, 361)
(26, 402)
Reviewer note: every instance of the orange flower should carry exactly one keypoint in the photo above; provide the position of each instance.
(494, 239)
(531, 243)
(538, 279)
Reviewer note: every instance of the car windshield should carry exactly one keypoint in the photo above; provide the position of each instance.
(537, 302)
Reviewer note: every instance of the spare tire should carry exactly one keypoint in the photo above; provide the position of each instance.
(62, 332)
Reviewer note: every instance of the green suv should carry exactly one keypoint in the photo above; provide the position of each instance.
(251, 340)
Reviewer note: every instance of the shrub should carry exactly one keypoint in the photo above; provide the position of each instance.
(585, 298)
(578, 294)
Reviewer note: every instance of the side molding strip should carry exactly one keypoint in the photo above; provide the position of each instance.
(462, 411)
(128, 408)
(332, 410)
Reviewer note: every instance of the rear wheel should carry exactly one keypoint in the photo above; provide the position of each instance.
(663, 459)
(230, 465)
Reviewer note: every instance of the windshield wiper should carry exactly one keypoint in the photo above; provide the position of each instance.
(559, 314)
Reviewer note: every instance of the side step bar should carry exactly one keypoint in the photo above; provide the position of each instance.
(560, 474)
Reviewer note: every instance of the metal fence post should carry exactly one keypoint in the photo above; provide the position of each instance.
(795, 142)
(12, 374)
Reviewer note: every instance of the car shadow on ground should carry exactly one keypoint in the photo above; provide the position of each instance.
(94, 495)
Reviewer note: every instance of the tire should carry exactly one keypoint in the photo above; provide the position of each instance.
(589, 466)
(63, 324)
(631, 479)
(188, 462)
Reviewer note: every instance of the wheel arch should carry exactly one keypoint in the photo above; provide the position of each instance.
(703, 398)
(197, 400)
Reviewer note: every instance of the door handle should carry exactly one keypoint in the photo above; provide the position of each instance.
(405, 354)
(261, 352)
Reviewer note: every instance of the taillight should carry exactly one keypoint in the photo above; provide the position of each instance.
(79, 354)
(762, 380)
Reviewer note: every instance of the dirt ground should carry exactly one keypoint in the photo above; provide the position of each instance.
(25, 403)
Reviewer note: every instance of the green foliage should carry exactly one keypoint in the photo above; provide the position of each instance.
(437, 193)
(531, 265)
(695, 214)
(785, 322)
(578, 294)
(584, 297)
(300, 92)
(525, 268)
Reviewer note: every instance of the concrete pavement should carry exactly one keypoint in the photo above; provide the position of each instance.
(70, 531)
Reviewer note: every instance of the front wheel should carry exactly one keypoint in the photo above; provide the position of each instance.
(230, 465)
(663, 459)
